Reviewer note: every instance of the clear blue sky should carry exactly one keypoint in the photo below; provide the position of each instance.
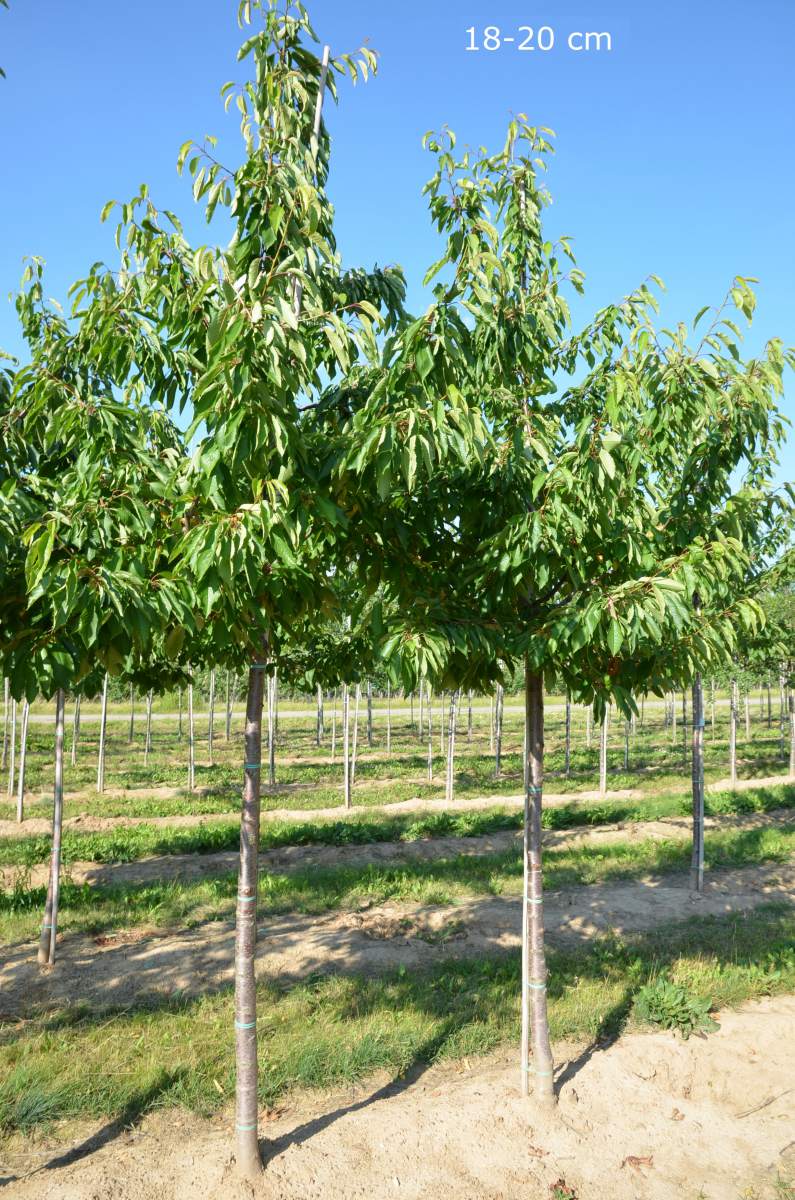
(674, 149)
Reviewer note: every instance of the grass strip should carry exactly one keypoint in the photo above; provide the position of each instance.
(334, 1031)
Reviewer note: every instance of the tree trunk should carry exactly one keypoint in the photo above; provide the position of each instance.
(498, 708)
(211, 719)
(346, 742)
(603, 732)
(23, 754)
(430, 735)
(75, 729)
(6, 694)
(450, 780)
(246, 1099)
(148, 739)
(567, 747)
(369, 713)
(697, 862)
(535, 1022)
(49, 928)
(103, 734)
(12, 749)
(131, 733)
(191, 742)
(355, 733)
(733, 734)
(388, 718)
(319, 730)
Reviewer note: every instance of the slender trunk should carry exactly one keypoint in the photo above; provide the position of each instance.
(535, 1022)
(272, 707)
(355, 733)
(148, 739)
(103, 733)
(430, 735)
(334, 726)
(319, 729)
(229, 702)
(346, 743)
(6, 694)
(131, 734)
(12, 749)
(567, 747)
(49, 927)
(211, 718)
(246, 1098)
(603, 732)
(191, 742)
(23, 754)
(75, 729)
(388, 718)
(791, 706)
(450, 781)
(369, 713)
(697, 862)
(469, 717)
(733, 734)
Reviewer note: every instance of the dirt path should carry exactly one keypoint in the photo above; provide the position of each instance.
(126, 968)
(92, 824)
(159, 868)
(649, 1117)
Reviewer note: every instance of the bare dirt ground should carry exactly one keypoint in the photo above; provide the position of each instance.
(159, 868)
(124, 968)
(92, 824)
(649, 1117)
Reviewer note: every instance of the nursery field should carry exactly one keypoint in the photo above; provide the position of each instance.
(388, 954)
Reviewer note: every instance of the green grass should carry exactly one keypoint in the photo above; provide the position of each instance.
(339, 1030)
(127, 844)
(92, 909)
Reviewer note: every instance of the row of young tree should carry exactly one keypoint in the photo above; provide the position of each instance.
(457, 495)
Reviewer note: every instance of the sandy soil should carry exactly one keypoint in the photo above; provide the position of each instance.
(158, 868)
(127, 967)
(92, 824)
(649, 1117)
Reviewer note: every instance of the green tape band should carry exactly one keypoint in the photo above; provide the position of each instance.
(535, 1072)
(252, 766)
(245, 1024)
(532, 900)
(258, 666)
(246, 899)
(245, 1128)
(539, 987)
(535, 791)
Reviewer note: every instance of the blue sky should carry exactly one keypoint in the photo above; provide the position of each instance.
(674, 149)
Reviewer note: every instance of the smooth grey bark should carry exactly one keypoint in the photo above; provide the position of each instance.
(49, 929)
(6, 694)
(191, 742)
(12, 749)
(346, 743)
(567, 745)
(355, 739)
(535, 1021)
(733, 734)
(369, 713)
(103, 736)
(75, 729)
(131, 733)
(211, 718)
(148, 738)
(697, 860)
(23, 755)
(249, 1161)
(603, 735)
(450, 778)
